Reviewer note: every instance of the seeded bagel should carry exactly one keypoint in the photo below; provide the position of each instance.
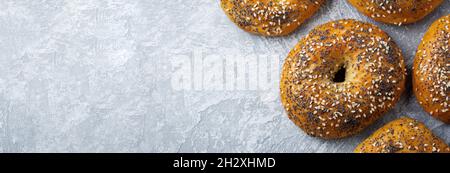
(404, 135)
(270, 17)
(340, 78)
(396, 12)
(431, 70)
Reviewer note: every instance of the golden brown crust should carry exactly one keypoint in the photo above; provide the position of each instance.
(374, 79)
(431, 70)
(270, 17)
(404, 135)
(396, 12)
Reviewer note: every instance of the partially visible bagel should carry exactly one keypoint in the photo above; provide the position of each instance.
(431, 70)
(270, 17)
(396, 12)
(404, 135)
(342, 77)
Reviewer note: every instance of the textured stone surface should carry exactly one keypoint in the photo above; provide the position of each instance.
(96, 76)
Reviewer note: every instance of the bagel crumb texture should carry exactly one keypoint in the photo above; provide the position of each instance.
(373, 82)
(431, 70)
(397, 12)
(404, 135)
(270, 17)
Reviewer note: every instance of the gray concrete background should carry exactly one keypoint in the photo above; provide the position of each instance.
(95, 76)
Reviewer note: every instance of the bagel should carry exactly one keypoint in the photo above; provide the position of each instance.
(396, 12)
(404, 135)
(270, 17)
(340, 78)
(431, 70)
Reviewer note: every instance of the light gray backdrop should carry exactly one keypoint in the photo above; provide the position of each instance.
(97, 76)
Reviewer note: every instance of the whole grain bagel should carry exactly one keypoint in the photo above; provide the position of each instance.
(404, 135)
(270, 17)
(431, 70)
(396, 12)
(340, 78)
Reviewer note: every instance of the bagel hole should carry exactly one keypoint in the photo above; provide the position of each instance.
(339, 76)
